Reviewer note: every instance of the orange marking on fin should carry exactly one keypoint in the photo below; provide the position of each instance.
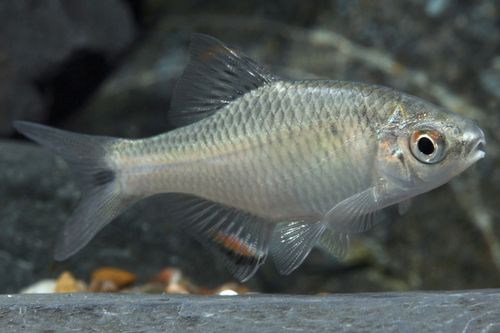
(232, 243)
(217, 50)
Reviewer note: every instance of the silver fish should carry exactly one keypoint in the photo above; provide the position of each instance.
(258, 162)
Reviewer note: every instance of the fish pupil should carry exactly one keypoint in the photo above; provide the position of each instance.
(425, 146)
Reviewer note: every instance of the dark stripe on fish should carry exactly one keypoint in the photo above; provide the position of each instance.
(103, 177)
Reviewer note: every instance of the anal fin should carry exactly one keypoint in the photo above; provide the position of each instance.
(239, 239)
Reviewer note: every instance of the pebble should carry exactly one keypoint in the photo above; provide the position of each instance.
(108, 279)
(103, 286)
(46, 286)
(66, 283)
(119, 277)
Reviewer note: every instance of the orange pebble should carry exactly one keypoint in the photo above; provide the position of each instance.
(119, 277)
(167, 275)
(66, 283)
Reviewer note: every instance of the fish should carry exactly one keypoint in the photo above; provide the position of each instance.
(258, 164)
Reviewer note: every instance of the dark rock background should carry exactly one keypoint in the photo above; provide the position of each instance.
(54, 53)
(109, 67)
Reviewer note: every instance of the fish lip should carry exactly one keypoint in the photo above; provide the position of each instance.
(478, 152)
(480, 145)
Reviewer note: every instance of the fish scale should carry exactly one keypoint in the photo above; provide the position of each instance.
(261, 163)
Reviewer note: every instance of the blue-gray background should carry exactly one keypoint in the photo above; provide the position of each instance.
(109, 67)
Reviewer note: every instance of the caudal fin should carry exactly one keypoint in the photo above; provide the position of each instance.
(101, 199)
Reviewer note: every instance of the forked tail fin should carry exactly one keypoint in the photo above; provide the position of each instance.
(101, 199)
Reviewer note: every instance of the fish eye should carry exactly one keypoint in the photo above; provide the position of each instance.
(427, 146)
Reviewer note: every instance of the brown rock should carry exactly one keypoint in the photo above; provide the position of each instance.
(119, 277)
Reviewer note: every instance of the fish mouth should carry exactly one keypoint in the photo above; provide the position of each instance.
(477, 152)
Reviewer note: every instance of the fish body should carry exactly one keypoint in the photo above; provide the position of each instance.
(275, 163)
(260, 162)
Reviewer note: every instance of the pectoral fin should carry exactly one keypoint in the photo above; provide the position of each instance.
(355, 214)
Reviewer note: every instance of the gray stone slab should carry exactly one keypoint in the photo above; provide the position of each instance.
(458, 311)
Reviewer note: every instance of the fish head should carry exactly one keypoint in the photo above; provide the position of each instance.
(428, 145)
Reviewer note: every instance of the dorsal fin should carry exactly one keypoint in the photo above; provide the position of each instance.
(215, 75)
